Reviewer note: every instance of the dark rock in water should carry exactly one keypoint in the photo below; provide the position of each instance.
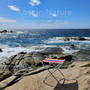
(22, 53)
(1, 50)
(65, 39)
(11, 31)
(66, 57)
(5, 31)
(78, 38)
(73, 46)
(52, 50)
(74, 38)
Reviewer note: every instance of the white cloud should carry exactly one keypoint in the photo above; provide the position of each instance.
(33, 14)
(49, 21)
(64, 23)
(54, 14)
(34, 2)
(4, 20)
(14, 8)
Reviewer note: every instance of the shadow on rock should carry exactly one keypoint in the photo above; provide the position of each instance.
(68, 86)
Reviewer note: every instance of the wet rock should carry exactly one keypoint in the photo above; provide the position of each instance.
(52, 50)
(5, 31)
(72, 46)
(65, 39)
(22, 53)
(74, 38)
(1, 50)
(78, 38)
(11, 31)
(66, 57)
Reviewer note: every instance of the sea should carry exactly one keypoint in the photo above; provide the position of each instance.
(29, 40)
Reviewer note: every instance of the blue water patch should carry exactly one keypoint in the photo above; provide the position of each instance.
(42, 36)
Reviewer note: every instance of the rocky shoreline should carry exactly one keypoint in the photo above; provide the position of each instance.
(29, 63)
(77, 78)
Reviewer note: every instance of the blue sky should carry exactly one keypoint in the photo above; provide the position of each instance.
(25, 14)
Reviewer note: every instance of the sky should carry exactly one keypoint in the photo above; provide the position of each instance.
(44, 14)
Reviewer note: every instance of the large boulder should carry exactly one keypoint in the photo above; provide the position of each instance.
(30, 59)
(23, 59)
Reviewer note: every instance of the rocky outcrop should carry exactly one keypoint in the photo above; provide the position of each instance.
(32, 58)
(52, 50)
(6, 82)
(4, 74)
(74, 38)
(5, 31)
(77, 78)
(79, 38)
(65, 39)
(18, 75)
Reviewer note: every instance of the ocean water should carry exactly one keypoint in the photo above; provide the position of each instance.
(39, 39)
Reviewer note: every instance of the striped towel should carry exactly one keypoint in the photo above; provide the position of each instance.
(60, 61)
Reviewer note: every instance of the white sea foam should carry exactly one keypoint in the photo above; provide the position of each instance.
(9, 51)
(68, 50)
(55, 40)
(59, 40)
(20, 32)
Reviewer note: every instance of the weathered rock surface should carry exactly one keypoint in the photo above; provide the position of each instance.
(77, 78)
(32, 58)
(4, 74)
(6, 82)
(52, 50)
(18, 75)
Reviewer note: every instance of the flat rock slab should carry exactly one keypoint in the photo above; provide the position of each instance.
(7, 81)
(35, 82)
